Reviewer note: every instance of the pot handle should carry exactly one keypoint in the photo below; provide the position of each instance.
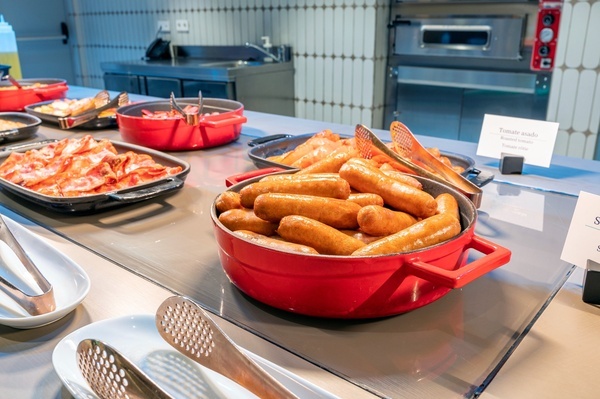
(145, 193)
(231, 180)
(234, 120)
(494, 257)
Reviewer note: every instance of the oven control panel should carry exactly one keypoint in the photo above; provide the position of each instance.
(546, 35)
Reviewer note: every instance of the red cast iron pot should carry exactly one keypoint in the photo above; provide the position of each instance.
(17, 99)
(358, 287)
(175, 134)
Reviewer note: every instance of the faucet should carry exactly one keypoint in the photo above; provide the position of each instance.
(265, 49)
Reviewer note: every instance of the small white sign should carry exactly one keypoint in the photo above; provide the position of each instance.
(532, 139)
(583, 239)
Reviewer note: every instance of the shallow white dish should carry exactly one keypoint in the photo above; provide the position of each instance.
(137, 338)
(70, 282)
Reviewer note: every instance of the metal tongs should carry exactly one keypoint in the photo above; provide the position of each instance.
(191, 119)
(34, 303)
(190, 330)
(369, 146)
(111, 375)
(69, 122)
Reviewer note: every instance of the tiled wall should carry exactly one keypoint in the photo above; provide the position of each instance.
(339, 46)
(575, 97)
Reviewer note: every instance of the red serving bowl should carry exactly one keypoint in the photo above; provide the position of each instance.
(17, 99)
(358, 287)
(175, 134)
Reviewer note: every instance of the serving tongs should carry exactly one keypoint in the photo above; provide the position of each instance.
(69, 122)
(190, 330)
(369, 146)
(191, 119)
(112, 376)
(33, 302)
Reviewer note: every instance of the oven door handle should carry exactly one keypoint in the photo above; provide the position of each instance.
(511, 82)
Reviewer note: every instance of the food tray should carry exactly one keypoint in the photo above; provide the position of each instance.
(269, 146)
(32, 124)
(98, 123)
(98, 202)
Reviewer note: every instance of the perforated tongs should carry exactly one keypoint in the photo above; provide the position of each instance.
(191, 118)
(112, 376)
(408, 149)
(33, 302)
(69, 122)
(190, 330)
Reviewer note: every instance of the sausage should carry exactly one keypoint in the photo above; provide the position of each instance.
(332, 162)
(404, 178)
(364, 199)
(399, 196)
(275, 243)
(325, 239)
(379, 221)
(359, 235)
(228, 200)
(245, 219)
(341, 214)
(446, 203)
(297, 176)
(427, 232)
(333, 188)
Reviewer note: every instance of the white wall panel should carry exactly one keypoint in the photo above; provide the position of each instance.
(590, 146)
(577, 33)
(577, 141)
(566, 104)
(591, 55)
(583, 103)
(562, 142)
(563, 34)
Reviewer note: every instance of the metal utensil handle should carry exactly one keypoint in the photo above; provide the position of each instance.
(145, 193)
(111, 375)
(189, 329)
(494, 257)
(27, 146)
(34, 304)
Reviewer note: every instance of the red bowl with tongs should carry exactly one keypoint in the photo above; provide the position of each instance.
(358, 287)
(220, 123)
(32, 91)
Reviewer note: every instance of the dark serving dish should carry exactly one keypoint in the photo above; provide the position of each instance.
(98, 202)
(32, 123)
(98, 123)
(265, 147)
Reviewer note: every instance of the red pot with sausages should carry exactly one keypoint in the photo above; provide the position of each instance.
(334, 286)
(220, 123)
(32, 91)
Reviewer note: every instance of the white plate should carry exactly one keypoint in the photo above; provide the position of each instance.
(70, 282)
(137, 338)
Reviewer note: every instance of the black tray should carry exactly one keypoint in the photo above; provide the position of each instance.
(32, 123)
(98, 123)
(269, 146)
(97, 202)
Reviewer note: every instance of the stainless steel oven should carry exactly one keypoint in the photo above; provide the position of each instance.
(451, 62)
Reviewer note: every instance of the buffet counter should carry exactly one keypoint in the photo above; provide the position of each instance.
(488, 339)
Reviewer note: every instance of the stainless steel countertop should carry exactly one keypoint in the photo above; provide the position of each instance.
(193, 68)
(572, 174)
